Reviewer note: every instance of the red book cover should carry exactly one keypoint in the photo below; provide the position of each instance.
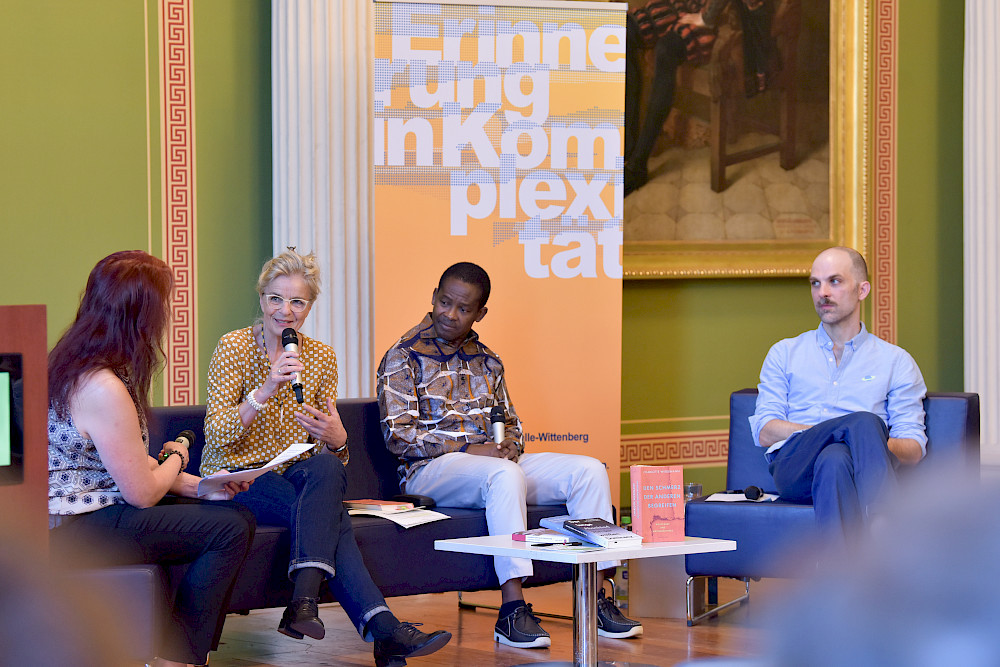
(658, 502)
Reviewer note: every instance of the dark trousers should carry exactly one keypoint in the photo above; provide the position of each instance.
(213, 537)
(843, 466)
(308, 499)
(669, 53)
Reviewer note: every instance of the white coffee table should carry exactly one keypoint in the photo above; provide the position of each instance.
(584, 575)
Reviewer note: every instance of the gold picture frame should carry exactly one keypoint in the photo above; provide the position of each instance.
(852, 89)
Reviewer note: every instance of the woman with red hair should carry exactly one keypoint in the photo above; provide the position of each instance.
(107, 496)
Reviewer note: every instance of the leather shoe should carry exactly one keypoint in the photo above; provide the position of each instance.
(301, 617)
(406, 641)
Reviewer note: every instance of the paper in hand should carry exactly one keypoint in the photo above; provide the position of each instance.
(209, 487)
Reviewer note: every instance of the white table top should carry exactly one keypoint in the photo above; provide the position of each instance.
(503, 545)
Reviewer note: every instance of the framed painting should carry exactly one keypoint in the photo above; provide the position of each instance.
(730, 195)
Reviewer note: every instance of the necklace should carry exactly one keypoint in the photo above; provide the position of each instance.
(278, 396)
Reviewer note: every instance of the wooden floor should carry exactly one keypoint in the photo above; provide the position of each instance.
(253, 641)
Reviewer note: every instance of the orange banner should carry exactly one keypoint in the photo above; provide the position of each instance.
(498, 140)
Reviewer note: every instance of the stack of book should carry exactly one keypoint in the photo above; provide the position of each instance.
(380, 505)
(596, 531)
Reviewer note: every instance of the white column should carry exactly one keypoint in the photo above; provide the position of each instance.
(321, 152)
(982, 212)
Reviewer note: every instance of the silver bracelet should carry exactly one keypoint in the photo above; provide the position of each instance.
(338, 449)
(259, 407)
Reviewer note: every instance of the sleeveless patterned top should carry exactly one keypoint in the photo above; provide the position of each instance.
(78, 480)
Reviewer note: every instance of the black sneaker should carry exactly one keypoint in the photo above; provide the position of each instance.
(301, 617)
(611, 622)
(407, 642)
(520, 629)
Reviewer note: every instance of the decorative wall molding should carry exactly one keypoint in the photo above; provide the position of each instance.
(883, 169)
(177, 150)
(981, 210)
(686, 448)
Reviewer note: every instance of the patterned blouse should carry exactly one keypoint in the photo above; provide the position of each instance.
(436, 398)
(78, 480)
(238, 367)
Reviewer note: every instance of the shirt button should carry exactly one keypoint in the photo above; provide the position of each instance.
(834, 383)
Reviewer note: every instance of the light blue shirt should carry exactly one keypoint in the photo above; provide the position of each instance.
(801, 382)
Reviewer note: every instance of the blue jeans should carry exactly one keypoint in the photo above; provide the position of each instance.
(308, 500)
(213, 537)
(843, 466)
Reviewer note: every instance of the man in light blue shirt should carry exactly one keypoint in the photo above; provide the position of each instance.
(838, 408)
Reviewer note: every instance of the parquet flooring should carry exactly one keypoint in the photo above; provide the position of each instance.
(251, 641)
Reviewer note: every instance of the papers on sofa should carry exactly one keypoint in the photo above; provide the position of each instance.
(210, 487)
(736, 497)
(406, 519)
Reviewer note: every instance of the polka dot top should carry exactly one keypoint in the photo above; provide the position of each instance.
(238, 367)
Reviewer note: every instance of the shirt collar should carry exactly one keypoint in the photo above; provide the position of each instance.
(824, 340)
(427, 333)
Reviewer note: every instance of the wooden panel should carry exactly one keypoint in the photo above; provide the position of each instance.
(22, 330)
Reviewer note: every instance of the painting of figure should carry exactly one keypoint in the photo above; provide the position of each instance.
(727, 121)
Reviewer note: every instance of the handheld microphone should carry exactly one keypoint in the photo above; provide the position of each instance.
(186, 438)
(497, 421)
(290, 341)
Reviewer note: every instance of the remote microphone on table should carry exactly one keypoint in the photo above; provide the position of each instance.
(497, 421)
(290, 341)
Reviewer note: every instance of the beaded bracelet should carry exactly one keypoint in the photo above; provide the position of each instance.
(252, 400)
(166, 453)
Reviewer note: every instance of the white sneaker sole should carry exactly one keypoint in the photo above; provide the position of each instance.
(539, 642)
(631, 632)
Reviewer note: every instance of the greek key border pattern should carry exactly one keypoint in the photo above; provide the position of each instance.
(177, 147)
(884, 169)
(690, 448)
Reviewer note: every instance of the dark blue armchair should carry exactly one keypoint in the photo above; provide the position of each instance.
(766, 532)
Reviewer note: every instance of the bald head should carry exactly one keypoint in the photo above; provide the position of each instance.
(859, 267)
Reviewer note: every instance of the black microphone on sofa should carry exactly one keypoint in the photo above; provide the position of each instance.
(751, 492)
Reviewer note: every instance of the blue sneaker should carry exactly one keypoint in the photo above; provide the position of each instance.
(521, 629)
(611, 622)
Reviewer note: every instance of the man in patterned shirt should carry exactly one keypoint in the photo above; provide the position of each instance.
(436, 388)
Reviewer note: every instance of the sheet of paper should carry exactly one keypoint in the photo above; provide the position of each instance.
(736, 497)
(407, 519)
(214, 483)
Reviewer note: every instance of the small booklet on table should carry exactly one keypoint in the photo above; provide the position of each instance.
(381, 505)
(543, 536)
(597, 531)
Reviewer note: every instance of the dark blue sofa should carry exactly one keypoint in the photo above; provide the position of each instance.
(401, 561)
(765, 532)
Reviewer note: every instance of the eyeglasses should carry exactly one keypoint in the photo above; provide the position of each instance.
(276, 301)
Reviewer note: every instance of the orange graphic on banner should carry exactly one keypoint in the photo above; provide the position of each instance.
(498, 140)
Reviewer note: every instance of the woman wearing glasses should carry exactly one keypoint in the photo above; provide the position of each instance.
(253, 415)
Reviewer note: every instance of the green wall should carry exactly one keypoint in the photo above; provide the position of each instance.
(688, 343)
(233, 79)
(73, 145)
(75, 164)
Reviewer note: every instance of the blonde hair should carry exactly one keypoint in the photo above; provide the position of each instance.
(291, 263)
